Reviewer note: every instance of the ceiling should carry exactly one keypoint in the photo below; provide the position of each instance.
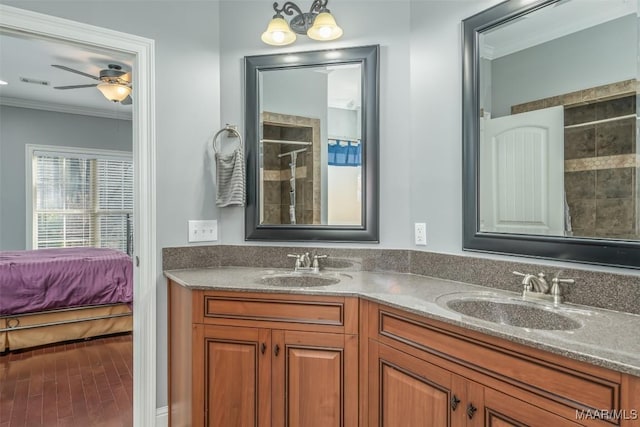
(551, 22)
(31, 58)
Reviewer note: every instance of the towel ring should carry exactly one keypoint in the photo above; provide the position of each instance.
(230, 129)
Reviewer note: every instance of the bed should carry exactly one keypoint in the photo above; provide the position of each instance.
(53, 295)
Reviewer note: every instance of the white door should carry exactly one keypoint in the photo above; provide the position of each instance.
(522, 173)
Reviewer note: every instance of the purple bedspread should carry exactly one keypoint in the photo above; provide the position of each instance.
(47, 279)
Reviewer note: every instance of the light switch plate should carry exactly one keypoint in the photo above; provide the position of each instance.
(420, 234)
(203, 230)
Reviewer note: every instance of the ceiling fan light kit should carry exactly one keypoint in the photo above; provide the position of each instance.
(114, 91)
(114, 83)
(317, 24)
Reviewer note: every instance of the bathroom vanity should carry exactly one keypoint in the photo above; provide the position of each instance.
(382, 349)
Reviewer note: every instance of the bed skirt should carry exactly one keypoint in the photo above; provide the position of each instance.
(35, 329)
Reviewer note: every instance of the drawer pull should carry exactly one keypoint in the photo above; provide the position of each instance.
(454, 402)
(263, 348)
(471, 410)
(276, 350)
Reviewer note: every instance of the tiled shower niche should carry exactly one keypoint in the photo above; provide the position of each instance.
(276, 169)
(601, 159)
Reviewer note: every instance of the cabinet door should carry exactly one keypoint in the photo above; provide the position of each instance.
(234, 386)
(314, 379)
(405, 391)
(501, 410)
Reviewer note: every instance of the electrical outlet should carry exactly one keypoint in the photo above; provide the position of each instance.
(203, 231)
(420, 234)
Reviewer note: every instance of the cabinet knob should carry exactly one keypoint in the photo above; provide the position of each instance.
(471, 410)
(263, 348)
(454, 402)
(276, 350)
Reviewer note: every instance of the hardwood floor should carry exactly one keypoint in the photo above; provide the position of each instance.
(85, 383)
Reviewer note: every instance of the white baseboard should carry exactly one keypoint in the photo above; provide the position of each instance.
(162, 416)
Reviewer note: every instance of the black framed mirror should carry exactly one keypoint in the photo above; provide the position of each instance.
(550, 157)
(312, 139)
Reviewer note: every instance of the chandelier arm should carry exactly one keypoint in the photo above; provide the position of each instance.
(318, 6)
(288, 8)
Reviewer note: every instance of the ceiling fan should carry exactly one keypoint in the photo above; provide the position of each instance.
(115, 84)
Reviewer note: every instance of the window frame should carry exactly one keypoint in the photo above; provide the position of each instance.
(31, 149)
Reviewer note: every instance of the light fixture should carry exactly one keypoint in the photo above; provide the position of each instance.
(317, 24)
(115, 92)
(2, 83)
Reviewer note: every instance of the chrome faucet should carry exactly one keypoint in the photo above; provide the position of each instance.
(537, 287)
(304, 263)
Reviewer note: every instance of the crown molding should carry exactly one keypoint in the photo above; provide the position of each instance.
(61, 108)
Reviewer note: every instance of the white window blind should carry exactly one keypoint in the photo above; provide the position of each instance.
(82, 199)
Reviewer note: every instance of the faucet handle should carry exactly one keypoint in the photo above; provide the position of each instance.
(298, 259)
(556, 290)
(558, 280)
(517, 273)
(316, 258)
(555, 284)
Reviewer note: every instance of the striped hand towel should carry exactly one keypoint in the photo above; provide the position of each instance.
(230, 178)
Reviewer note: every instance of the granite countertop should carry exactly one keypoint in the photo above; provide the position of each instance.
(605, 338)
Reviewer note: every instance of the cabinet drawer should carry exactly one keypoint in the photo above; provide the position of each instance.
(569, 383)
(297, 312)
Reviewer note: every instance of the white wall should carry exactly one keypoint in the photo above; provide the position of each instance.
(22, 126)
(187, 112)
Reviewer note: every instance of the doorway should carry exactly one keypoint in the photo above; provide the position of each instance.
(38, 25)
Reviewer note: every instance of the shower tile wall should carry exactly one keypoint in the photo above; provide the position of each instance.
(278, 172)
(601, 159)
(600, 170)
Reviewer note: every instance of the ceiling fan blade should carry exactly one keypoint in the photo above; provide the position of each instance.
(62, 67)
(127, 101)
(74, 87)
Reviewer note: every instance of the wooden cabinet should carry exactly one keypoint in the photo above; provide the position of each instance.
(234, 388)
(425, 372)
(406, 391)
(262, 359)
(273, 360)
(315, 379)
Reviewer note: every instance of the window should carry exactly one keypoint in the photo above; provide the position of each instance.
(81, 198)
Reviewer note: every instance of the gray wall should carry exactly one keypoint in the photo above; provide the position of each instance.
(22, 126)
(436, 120)
(603, 54)
(240, 35)
(420, 114)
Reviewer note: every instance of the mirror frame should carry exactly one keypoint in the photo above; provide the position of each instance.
(368, 231)
(618, 253)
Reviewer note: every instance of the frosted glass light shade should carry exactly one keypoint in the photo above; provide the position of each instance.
(278, 33)
(114, 92)
(324, 28)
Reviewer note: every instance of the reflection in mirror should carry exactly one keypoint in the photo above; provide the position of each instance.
(311, 164)
(552, 105)
(312, 133)
(558, 106)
